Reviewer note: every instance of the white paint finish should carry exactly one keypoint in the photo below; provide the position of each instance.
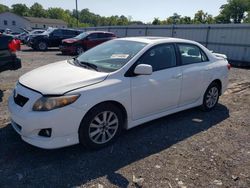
(144, 97)
(194, 76)
(155, 93)
(58, 78)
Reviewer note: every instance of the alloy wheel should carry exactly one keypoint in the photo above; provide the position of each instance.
(212, 97)
(103, 127)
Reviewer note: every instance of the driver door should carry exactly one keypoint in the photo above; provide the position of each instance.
(160, 91)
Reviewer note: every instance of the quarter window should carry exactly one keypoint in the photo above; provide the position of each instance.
(160, 57)
(191, 54)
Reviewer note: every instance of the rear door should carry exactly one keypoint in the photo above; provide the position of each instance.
(92, 40)
(194, 65)
(56, 38)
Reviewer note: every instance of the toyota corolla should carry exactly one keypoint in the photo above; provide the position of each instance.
(115, 86)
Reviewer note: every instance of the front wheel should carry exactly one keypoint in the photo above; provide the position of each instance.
(42, 46)
(79, 50)
(101, 126)
(211, 97)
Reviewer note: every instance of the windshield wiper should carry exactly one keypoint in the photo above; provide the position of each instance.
(86, 64)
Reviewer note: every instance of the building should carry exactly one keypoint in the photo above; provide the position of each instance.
(15, 22)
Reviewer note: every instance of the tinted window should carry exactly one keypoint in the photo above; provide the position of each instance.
(160, 57)
(104, 35)
(191, 54)
(57, 33)
(4, 42)
(69, 32)
(93, 36)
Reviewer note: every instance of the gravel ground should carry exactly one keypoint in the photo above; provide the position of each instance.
(187, 149)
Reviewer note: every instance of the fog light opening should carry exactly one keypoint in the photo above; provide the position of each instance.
(45, 132)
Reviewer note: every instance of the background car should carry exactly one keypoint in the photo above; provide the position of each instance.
(25, 35)
(8, 47)
(85, 41)
(50, 38)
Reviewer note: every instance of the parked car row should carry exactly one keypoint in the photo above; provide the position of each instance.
(69, 41)
(85, 41)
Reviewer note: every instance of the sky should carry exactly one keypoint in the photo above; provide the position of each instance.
(142, 10)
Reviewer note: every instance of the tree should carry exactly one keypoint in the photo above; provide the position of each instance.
(234, 11)
(56, 13)
(4, 8)
(186, 20)
(37, 10)
(20, 9)
(156, 21)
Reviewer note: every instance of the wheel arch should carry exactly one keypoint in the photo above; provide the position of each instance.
(115, 103)
(219, 83)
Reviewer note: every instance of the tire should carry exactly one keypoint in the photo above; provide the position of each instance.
(94, 133)
(79, 50)
(42, 46)
(211, 97)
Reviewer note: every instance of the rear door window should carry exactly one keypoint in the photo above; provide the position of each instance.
(93, 36)
(191, 54)
(57, 33)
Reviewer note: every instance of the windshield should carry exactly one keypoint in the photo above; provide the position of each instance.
(112, 55)
(81, 36)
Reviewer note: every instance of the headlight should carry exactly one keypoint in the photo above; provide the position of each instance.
(51, 103)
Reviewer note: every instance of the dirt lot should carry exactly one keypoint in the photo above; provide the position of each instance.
(187, 149)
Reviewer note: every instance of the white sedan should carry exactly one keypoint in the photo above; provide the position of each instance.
(114, 86)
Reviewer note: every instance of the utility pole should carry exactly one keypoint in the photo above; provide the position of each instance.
(77, 14)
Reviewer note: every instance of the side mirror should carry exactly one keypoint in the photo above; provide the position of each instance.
(143, 69)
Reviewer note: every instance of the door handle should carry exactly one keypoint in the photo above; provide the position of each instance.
(177, 76)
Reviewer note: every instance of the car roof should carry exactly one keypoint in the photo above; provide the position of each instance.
(98, 32)
(155, 40)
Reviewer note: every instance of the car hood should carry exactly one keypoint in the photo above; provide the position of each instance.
(61, 77)
(71, 40)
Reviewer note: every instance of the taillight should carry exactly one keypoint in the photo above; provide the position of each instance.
(12, 46)
(228, 66)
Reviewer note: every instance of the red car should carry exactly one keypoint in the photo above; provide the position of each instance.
(85, 41)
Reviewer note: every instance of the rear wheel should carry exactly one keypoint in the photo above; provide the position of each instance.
(211, 97)
(101, 126)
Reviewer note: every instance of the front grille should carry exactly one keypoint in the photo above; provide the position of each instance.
(20, 100)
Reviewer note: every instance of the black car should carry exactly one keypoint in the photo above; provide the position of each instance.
(51, 38)
(8, 58)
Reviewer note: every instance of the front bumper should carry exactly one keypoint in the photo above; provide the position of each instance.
(64, 122)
